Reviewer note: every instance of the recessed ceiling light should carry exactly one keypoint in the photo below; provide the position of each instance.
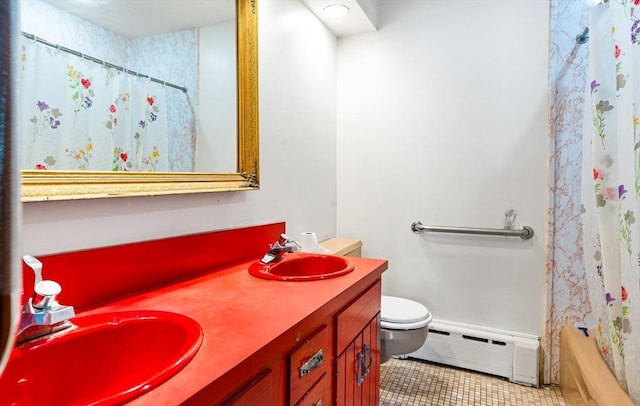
(336, 10)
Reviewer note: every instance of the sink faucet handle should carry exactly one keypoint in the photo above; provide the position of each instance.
(42, 314)
(35, 265)
(44, 291)
(285, 241)
(44, 295)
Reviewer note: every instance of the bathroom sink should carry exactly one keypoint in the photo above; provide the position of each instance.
(299, 266)
(104, 359)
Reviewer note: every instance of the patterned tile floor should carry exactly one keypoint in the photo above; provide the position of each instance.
(417, 383)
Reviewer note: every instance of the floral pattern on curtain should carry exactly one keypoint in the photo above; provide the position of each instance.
(611, 186)
(80, 115)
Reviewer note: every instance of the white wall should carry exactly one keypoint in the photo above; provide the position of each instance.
(442, 118)
(217, 124)
(297, 57)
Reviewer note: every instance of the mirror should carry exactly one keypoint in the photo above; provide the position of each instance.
(241, 170)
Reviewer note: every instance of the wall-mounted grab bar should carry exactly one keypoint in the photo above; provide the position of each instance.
(525, 232)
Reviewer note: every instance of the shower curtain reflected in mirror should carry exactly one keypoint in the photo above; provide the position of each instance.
(611, 187)
(81, 115)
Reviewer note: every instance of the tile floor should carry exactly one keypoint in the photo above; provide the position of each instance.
(417, 383)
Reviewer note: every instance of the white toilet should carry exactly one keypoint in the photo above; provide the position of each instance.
(404, 323)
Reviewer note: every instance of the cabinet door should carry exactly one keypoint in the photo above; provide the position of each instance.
(358, 369)
(370, 388)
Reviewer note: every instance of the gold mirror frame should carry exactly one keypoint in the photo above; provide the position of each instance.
(72, 185)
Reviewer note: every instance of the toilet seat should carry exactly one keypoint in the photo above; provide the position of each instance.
(403, 314)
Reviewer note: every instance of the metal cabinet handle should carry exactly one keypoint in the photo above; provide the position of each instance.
(360, 368)
(367, 351)
(313, 363)
(363, 368)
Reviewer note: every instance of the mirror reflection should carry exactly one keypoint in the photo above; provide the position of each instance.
(105, 90)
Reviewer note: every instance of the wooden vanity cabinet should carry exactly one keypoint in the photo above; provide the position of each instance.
(353, 374)
(336, 362)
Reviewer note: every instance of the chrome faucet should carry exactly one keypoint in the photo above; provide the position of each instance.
(279, 248)
(42, 314)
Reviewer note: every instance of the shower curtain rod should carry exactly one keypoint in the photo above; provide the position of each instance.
(100, 61)
(583, 37)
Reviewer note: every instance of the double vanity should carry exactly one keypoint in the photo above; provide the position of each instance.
(183, 321)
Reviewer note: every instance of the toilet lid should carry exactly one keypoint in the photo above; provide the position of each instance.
(400, 310)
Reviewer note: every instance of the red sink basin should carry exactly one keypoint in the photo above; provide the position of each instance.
(106, 359)
(299, 266)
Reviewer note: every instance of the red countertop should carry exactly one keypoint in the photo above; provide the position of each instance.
(247, 322)
(242, 316)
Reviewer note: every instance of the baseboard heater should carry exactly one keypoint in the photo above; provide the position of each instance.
(512, 355)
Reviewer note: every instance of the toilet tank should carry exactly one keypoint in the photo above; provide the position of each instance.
(348, 247)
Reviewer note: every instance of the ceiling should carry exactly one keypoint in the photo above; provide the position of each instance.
(362, 17)
(139, 18)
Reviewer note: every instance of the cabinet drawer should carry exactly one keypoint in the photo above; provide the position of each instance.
(319, 394)
(357, 315)
(309, 362)
(257, 392)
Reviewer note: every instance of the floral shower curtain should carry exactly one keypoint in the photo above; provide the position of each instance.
(80, 115)
(611, 186)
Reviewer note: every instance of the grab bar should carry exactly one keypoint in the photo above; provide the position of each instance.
(525, 232)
